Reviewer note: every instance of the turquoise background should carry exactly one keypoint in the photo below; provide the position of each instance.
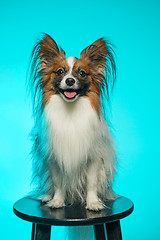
(134, 27)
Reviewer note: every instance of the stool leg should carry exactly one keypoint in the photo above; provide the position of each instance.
(33, 231)
(42, 232)
(99, 232)
(114, 231)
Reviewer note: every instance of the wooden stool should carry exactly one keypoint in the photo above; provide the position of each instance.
(105, 222)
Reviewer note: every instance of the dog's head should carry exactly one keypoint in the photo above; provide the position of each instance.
(71, 77)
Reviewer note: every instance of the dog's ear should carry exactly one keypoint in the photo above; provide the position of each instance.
(100, 57)
(96, 54)
(49, 51)
(44, 57)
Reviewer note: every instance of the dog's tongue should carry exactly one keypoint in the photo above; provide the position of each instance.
(70, 94)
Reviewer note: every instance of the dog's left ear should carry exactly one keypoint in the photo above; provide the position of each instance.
(100, 57)
(96, 54)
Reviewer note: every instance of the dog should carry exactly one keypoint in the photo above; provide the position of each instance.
(73, 150)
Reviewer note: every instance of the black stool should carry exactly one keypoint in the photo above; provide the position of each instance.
(43, 217)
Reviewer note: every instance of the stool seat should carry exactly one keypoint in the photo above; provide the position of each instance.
(76, 215)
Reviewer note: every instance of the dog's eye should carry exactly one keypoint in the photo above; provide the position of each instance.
(60, 71)
(82, 73)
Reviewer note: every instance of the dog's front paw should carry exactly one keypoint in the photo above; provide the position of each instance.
(55, 203)
(95, 205)
(46, 198)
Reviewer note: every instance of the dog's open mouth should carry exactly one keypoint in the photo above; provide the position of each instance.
(70, 94)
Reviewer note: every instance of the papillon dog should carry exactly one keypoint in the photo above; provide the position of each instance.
(73, 151)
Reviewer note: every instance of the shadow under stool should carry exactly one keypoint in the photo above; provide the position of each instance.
(106, 222)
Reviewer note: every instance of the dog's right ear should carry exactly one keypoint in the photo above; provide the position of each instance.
(49, 51)
(44, 56)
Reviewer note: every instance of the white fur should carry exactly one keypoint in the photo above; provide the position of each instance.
(81, 153)
(72, 130)
(71, 62)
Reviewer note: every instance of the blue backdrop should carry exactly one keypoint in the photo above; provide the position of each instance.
(134, 28)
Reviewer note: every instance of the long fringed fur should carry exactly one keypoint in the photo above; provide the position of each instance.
(95, 144)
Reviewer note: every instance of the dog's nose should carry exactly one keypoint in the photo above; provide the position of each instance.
(70, 81)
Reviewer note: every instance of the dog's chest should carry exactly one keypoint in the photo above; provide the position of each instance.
(72, 129)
